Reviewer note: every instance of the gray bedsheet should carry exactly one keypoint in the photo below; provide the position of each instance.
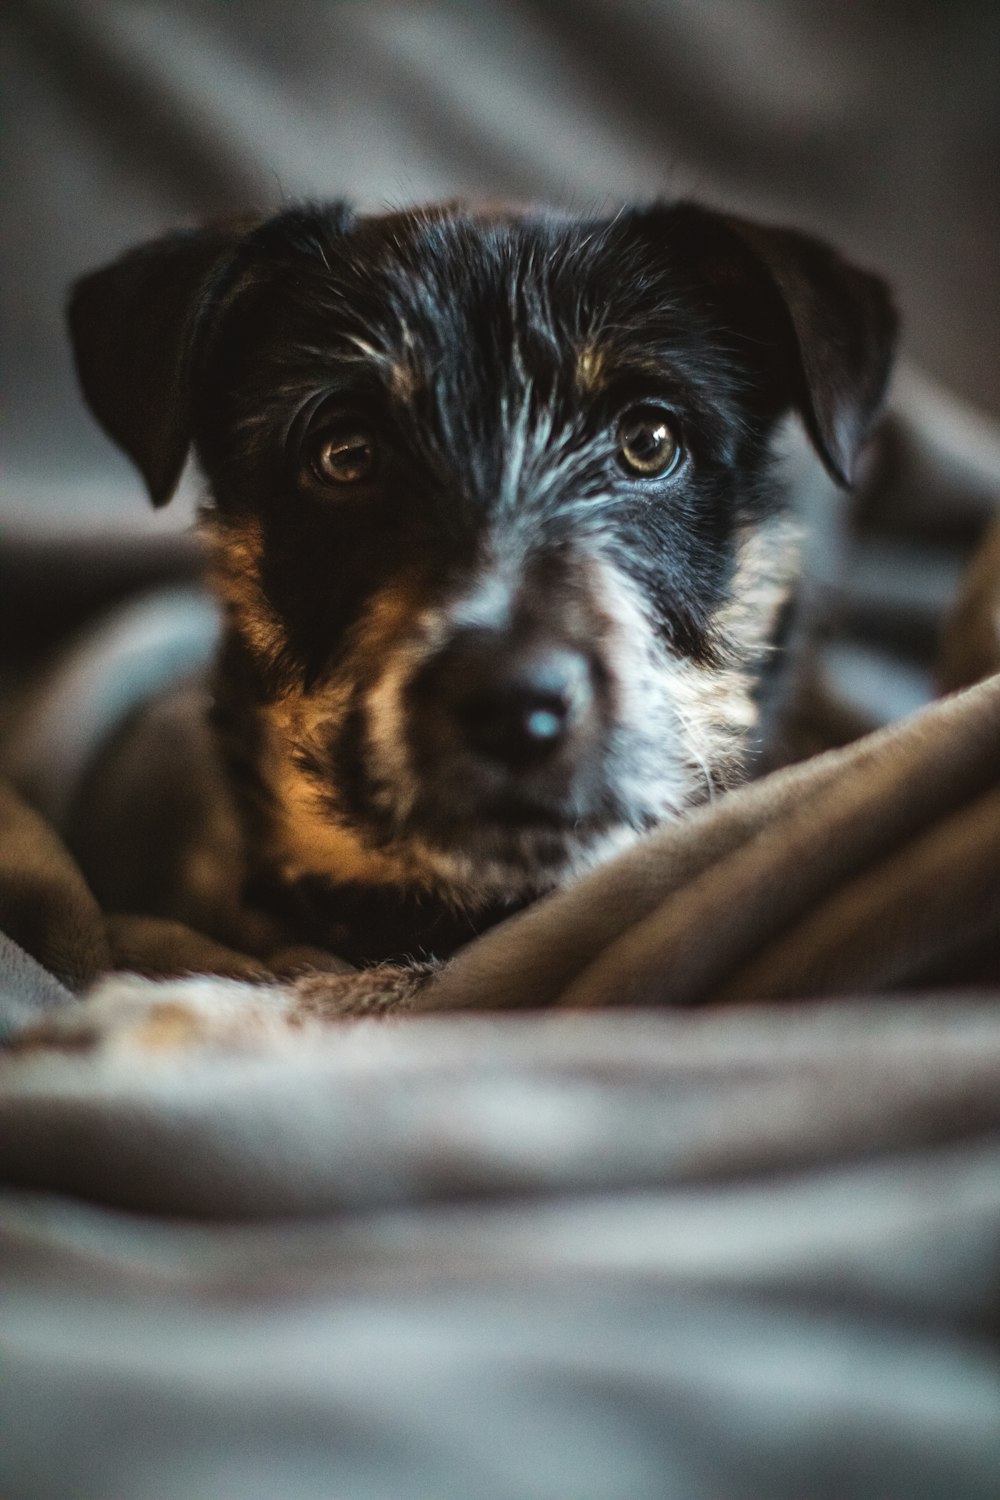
(601, 1256)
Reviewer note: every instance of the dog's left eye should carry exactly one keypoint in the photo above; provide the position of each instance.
(648, 444)
(345, 457)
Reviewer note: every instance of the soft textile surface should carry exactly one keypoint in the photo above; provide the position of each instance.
(253, 1246)
(613, 1257)
(587, 1250)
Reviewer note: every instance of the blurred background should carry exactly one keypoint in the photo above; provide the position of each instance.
(877, 125)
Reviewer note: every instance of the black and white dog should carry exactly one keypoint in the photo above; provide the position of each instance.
(493, 514)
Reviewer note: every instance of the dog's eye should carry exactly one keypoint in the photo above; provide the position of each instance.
(346, 457)
(647, 442)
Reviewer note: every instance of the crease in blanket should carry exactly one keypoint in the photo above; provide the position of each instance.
(451, 1108)
(803, 854)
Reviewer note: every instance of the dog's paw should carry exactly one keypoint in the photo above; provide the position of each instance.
(131, 1014)
(127, 1012)
(380, 991)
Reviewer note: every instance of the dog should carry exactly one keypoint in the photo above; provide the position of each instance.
(494, 515)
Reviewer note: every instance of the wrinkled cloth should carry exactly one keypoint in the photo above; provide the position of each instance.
(289, 1231)
(630, 1255)
(684, 1183)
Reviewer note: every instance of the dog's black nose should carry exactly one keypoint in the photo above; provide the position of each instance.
(514, 705)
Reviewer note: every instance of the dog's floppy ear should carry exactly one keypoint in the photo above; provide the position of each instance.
(136, 327)
(837, 324)
(845, 328)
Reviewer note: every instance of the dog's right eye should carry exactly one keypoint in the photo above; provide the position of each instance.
(345, 457)
(648, 445)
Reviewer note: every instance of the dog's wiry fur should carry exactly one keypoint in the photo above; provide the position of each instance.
(489, 357)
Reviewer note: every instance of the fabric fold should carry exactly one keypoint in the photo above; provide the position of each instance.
(672, 920)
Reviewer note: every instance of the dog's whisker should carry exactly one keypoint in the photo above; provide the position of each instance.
(696, 750)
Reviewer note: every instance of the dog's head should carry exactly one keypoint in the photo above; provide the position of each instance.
(491, 507)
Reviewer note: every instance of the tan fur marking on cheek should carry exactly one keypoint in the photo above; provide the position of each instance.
(717, 702)
(306, 837)
(397, 636)
(716, 710)
(769, 564)
(653, 769)
(235, 554)
(685, 723)
(310, 841)
(388, 619)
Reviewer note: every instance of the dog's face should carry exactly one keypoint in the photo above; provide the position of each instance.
(491, 507)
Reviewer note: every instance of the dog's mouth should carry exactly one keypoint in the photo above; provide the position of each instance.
(465, 808)
(473, 823)
(496, 742)
(484, 785)
(451, 818)
(510, 846)
(510, 824)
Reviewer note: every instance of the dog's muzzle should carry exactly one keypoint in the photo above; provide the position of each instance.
(529, 743)
(516, 704)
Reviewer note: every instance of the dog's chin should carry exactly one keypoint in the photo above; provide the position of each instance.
(511, 848)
